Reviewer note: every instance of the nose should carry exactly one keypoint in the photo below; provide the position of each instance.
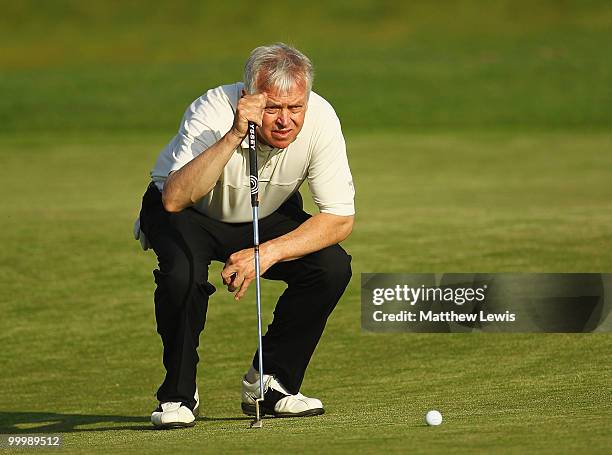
(283, 118)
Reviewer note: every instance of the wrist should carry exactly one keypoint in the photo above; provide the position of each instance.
(235, 136)
(270, 250)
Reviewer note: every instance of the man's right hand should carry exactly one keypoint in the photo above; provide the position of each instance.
(250, 108)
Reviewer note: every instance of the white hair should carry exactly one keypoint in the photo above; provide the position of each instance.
(277, 66)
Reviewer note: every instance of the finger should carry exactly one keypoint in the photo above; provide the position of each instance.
(250, 114)
(228, 274)
(232, 286)
(259, 114)
(235, 284)
(243, 288)
(230, 280)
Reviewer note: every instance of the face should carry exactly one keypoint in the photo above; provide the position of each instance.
(283, 116)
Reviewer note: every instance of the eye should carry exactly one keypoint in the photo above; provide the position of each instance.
(271, 110)
(296, 109)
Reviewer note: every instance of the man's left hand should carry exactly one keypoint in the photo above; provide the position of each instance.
(239, 270)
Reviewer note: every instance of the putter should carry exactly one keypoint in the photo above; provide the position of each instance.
(254, 181)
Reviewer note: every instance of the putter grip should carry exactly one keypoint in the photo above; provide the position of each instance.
(253, 178)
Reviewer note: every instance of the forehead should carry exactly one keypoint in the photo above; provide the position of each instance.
(297, 94)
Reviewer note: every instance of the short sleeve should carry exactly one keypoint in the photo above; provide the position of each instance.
(196, 133)
(204, 123)
(329, 175)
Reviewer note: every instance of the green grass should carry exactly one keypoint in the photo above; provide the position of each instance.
(115, 66)
(81, 356)
(479, 139)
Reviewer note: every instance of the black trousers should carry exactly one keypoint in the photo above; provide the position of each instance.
(187, 242)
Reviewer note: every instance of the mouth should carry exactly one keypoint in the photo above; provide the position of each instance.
(281, 133)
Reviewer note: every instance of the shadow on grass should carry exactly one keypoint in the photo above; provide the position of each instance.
(49, 422)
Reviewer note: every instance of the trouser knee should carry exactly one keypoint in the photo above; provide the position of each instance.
(179, 282)
(335, 267)
(174, 284)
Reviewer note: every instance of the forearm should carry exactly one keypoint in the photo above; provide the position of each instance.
(197, 178)
(318, 232)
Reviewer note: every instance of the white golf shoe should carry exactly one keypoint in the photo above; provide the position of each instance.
(175, 414)
(277, 400)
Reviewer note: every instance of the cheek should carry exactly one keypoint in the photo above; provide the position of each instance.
(298, 119)
(267, 123)
(269, 120)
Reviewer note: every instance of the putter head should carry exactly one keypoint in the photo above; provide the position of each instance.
(257, 423)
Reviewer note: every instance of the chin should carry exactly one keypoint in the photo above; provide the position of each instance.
(280, 143)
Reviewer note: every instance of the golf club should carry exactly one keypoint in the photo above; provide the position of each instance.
(254, 181)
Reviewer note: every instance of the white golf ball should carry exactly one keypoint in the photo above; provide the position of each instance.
(433, 417)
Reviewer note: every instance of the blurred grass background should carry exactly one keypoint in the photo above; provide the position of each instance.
(479, 138)
(128, 65)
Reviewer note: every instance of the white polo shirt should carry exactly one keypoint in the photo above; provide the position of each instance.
(317, 155)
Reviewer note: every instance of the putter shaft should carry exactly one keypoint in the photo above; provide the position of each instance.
(254, 181)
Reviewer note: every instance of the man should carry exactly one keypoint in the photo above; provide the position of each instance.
(197, 209)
